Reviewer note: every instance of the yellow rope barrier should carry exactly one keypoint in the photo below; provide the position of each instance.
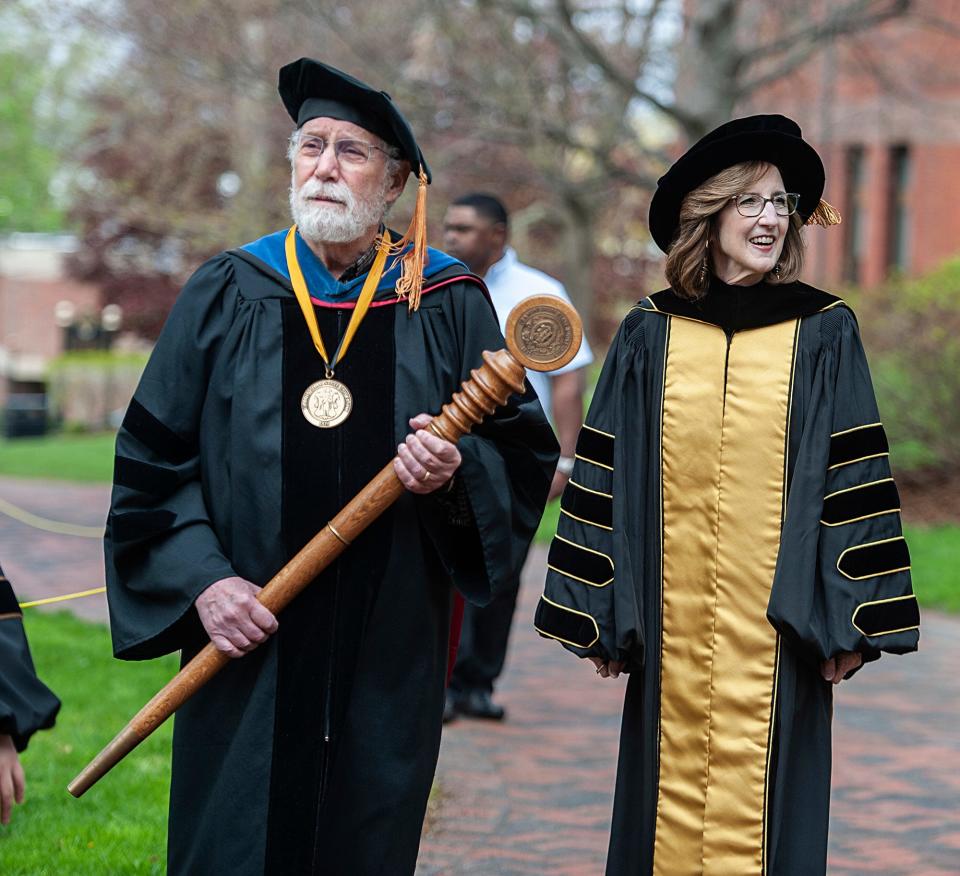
(56, 526)
(64, 598)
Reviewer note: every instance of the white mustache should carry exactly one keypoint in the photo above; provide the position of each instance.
(331, 191)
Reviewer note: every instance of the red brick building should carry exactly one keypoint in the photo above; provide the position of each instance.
(883, 109)
(33, 280)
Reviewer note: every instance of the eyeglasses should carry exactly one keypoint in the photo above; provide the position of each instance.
(751, 204)
(352, 152)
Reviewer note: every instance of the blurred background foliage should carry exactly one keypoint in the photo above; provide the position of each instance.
(911, 331)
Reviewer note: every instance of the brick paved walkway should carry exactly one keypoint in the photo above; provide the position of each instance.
(533, 795)
(42, 564)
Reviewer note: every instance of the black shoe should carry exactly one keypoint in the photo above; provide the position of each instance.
(449, 707)
(478, 704)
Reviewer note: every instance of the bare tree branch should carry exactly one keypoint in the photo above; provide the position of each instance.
(624, 81)
(848, 21)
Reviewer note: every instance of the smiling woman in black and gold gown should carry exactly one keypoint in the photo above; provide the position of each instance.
(731, 533)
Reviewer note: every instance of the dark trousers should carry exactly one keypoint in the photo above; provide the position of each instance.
(483, 642)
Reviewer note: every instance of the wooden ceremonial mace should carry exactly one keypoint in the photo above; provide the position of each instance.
(543, 333)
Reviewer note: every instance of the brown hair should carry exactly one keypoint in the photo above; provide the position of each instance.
(698, 221)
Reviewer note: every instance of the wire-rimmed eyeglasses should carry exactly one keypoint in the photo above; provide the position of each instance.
(347, 151)
(751, 204)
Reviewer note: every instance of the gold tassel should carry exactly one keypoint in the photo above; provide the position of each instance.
(413, 263)
(825, 215)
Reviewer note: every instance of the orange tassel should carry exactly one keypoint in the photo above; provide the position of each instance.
(413, 263)
(825, 215)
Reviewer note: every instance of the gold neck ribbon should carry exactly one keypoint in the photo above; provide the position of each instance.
(359, 312)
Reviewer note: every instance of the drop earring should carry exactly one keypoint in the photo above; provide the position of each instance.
(704, 265)
(776, 270)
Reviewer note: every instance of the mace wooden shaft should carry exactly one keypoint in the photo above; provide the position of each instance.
(489, 386)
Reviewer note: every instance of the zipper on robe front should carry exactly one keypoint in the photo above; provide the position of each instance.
(327, 729)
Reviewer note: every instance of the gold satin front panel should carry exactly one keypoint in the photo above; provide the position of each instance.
(724, 429)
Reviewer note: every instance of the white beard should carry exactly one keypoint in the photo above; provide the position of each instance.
(328, 223)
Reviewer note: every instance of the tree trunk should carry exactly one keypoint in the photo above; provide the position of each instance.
(578, 252)
(708, 65)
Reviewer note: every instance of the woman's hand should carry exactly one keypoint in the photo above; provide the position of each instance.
(836, 668)
(607, 668)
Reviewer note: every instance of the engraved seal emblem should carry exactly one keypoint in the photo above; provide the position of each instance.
(543, 333)
(326, 403)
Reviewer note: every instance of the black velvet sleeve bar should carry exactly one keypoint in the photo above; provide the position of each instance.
(857, 444)
(861, 502)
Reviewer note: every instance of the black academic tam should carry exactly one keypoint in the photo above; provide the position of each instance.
(772, 138)
(311, 89)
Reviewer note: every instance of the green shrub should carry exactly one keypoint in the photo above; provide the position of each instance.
(911, 329)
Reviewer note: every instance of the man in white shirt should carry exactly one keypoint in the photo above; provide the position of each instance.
(476, 232)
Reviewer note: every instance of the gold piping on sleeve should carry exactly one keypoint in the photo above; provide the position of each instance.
(588, 522)
(855, 487)
(573, 483)
(853, 620)
(567, 574)
(593, 462)
(9, 615)
(865, 516)
(596, 629)
(859, 459)
(865, 545)
(854, 429)
(599, 431)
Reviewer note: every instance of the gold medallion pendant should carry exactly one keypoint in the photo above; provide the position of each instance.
(326, 403)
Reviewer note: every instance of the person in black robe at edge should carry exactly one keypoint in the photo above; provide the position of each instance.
(315, 752)
(731, 534)
(26, 703)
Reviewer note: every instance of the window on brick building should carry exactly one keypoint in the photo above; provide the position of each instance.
(853, 220)
(898, 227)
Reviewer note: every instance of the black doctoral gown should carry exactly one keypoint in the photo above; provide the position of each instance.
(731, 521)
(26, 703)
(315, 753)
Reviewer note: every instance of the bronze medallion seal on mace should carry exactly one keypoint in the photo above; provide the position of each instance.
(543, 334)
(326, 403)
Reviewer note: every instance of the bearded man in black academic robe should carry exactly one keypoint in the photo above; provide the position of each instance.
(315, 752)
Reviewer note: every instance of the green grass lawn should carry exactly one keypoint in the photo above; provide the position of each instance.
(935, 557)
(60, 457)
(934, 554)
(119, 825)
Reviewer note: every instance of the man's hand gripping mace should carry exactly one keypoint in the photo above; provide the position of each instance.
(543, 333)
